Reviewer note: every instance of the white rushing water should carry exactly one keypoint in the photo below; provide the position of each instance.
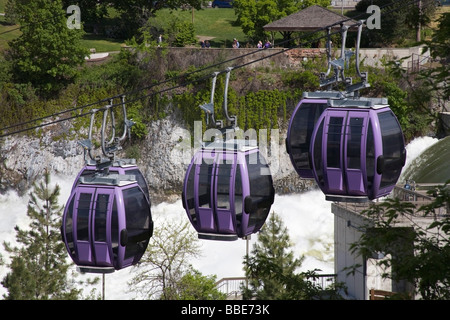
(307, 216)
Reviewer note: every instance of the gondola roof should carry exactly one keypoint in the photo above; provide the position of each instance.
(232, 145)
(109, 180)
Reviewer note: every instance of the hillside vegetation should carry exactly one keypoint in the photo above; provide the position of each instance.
(268, 103)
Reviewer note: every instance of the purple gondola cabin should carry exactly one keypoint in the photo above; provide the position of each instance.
(301, 126)
(357, 151)
(228, 191)
(107, 221)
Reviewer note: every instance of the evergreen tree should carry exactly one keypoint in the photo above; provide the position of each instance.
(48, 52)
(38, 267)
(271, 266)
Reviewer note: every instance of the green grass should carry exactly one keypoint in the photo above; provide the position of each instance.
(219, 24)
(7, 33)
(101, 44)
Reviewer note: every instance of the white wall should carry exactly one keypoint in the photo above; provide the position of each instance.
(347, 228)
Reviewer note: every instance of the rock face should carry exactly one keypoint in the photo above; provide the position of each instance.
(24, 159)
(163, 157)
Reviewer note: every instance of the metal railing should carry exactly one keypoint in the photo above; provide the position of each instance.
(232, 286)
(419, 62)
(323, 281)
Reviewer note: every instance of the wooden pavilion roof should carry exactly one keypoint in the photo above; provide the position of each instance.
(309, 19)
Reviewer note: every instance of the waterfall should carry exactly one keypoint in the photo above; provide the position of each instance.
(307, 216)
(432, 165)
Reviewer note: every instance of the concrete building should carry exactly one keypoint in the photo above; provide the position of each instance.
(361, 274)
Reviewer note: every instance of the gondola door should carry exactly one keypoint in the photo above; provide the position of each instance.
(224, 175)
(204, 171)
(101, 222)
(91, 216)
(82, 217)
(355, 152)
(333, 145)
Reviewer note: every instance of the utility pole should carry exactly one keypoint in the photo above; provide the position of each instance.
(103, 286)
(247, 240)
(419, 3)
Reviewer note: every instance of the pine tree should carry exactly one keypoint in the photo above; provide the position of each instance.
(272, 268)
(38, 267)
(271, 265)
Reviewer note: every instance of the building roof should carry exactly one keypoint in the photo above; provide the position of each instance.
(308, 19)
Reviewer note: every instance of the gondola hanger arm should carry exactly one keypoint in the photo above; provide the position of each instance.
(209, 107)
(109, 149)
(127, 123)
(232, 119)
(87, 144)
(353, 89)
(110, 146)
(338, 65)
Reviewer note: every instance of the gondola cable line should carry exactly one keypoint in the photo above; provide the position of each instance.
(98, 227)
(180, 77)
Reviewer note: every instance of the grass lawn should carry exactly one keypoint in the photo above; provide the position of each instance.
(101, 44)
(7, 33)
(216, 24)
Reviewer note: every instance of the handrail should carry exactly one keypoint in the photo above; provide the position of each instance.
(407, 195)
(232, 286)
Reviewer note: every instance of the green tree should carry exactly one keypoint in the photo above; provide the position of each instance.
(135, 13)
(91, 14)
(48, 53)
(253, 15)
(417, 254)
(165, 262)
(437, 78)
(195, 286)
(400, 22)
(38, 267)
(10, 12)
(271, 267)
